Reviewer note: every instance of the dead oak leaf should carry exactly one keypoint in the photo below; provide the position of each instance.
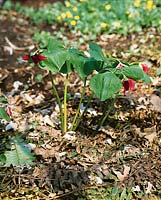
(125, 174)
(46, 153)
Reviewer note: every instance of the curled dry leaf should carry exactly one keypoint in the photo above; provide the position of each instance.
(125, 174)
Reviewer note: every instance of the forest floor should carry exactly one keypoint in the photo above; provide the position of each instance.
(125, 153)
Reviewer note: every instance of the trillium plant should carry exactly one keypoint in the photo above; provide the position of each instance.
(107, 77)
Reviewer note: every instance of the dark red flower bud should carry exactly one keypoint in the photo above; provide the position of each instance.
(145, 68)
(128, 85)
(131, 84)
(125, 85)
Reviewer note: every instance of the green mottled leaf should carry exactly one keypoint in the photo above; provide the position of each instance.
(56, 56)
(96, 51)
(105, 85)
(135, 73)
(146, 78)
(78, 60)
(19, 154)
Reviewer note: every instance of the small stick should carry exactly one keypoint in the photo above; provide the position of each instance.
(18, 48)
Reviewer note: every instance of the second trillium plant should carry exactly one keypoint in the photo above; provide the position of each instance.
(110, 77)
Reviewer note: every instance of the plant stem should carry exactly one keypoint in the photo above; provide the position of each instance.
(57, 99)
(104, 117)
(79, 120)
(65, 104)
(78, 109)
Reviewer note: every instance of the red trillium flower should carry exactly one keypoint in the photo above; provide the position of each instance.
(145, 68)
(128, 85)
(35, 58)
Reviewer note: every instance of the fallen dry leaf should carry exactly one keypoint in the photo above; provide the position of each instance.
(156, 103)
(125, 174)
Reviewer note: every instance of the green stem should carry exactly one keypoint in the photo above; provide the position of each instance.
(79, 120)
(65, 104)
(78, 109)
(57, 99)
(104, 117)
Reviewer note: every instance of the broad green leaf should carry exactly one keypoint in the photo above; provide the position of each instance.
(71, 61)
(3, 114)
(56, 56)
(82, 64)
(110, 63)
(54, 44)
(92, 64)
(19, 154)
(78, 60)
(135, 73)
(105, 85)
(67, 67)
(146, 78)
(96, 51)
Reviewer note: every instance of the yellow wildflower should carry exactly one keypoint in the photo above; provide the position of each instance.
(68, 14)
(117, 24)
(160, 22)
(63, 15)
(154, 7)
(131, 15)
(67, 4)
(137, 3)
(127, 12)
(149, 4)
(59, 17)
(108, 6)
(103, 25)
(82, 0)
(76, 17)
(73, 22)
(75, 9)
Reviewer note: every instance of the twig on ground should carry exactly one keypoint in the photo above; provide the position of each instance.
(18, 48)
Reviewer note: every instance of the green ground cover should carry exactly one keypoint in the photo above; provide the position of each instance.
(88, 19)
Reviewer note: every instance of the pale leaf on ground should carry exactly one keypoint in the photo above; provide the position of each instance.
(125, 174)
